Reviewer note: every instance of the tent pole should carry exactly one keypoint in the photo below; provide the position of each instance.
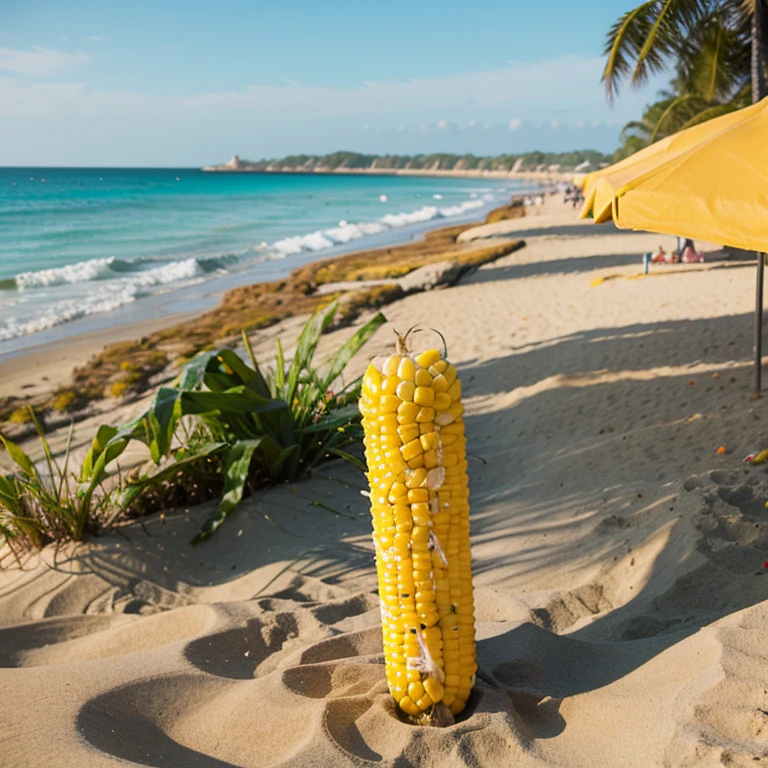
(759, 326)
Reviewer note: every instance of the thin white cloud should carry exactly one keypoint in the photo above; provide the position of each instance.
(96, 39)
(514, 124)
(554, 124)
(442, 125)
(39, 61)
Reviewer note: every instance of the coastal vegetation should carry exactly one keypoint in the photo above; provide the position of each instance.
(441, 161)
(224, 429)
(714, 48)
(129, 369)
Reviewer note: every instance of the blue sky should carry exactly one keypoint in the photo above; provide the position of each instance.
(187, 83)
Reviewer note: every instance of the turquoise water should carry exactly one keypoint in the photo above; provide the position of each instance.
(82, 242)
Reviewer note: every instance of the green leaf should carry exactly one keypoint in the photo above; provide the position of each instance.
(353, 460)
(19, 457)
(103, 435)
(191, 376)
(124, 498)
(280, 371)
(351, 348)
(236, 470)
(250, 377)
(306, 346)
(161, 421)
(112, 450)
(238, 399)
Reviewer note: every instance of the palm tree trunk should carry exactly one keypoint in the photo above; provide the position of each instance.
(758, 74)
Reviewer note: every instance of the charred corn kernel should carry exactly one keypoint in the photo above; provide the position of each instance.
(415, 451)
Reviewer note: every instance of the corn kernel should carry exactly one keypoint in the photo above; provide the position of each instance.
(425, 415)
(416, 495)
(440, 384)
(406, 390)
(425, 359)
(391, 365)
(442, 401)
(434, 689)
(411, 449)
(407, 369)
(424, 396)
(422, 378)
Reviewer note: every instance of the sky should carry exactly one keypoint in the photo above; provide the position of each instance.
(182, 83)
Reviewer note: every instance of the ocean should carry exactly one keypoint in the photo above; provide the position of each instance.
(81, 243)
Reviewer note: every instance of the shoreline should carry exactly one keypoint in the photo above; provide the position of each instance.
(35, 374)
(208, 293)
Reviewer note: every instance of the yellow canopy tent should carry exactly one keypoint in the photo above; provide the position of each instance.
(715, 190)
(601, 187)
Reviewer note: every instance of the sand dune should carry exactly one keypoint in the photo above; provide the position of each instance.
(621, 603)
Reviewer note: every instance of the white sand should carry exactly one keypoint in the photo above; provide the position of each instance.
(620, 618)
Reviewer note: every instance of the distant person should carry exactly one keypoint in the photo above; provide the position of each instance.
(687, 251)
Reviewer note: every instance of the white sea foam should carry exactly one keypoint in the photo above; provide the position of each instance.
(48, 297)
(82, 272)
(102, 296)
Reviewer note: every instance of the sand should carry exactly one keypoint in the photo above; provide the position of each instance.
(620, 599)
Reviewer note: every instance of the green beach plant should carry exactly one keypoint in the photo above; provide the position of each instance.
(261, 427)
(53, 504)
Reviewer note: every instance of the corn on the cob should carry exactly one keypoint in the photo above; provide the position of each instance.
(415, 451)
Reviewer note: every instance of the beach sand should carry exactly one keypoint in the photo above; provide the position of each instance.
(617, 556)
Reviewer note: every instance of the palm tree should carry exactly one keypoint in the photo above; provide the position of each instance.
(715, 46)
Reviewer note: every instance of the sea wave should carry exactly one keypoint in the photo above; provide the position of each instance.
(104, 284)
(141, 272)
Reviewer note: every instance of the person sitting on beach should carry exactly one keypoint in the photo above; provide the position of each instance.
(659, 256)
(688, 252)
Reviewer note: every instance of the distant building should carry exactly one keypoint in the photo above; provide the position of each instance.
(234, 163)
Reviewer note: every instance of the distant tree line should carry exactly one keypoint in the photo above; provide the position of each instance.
(442, 161)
